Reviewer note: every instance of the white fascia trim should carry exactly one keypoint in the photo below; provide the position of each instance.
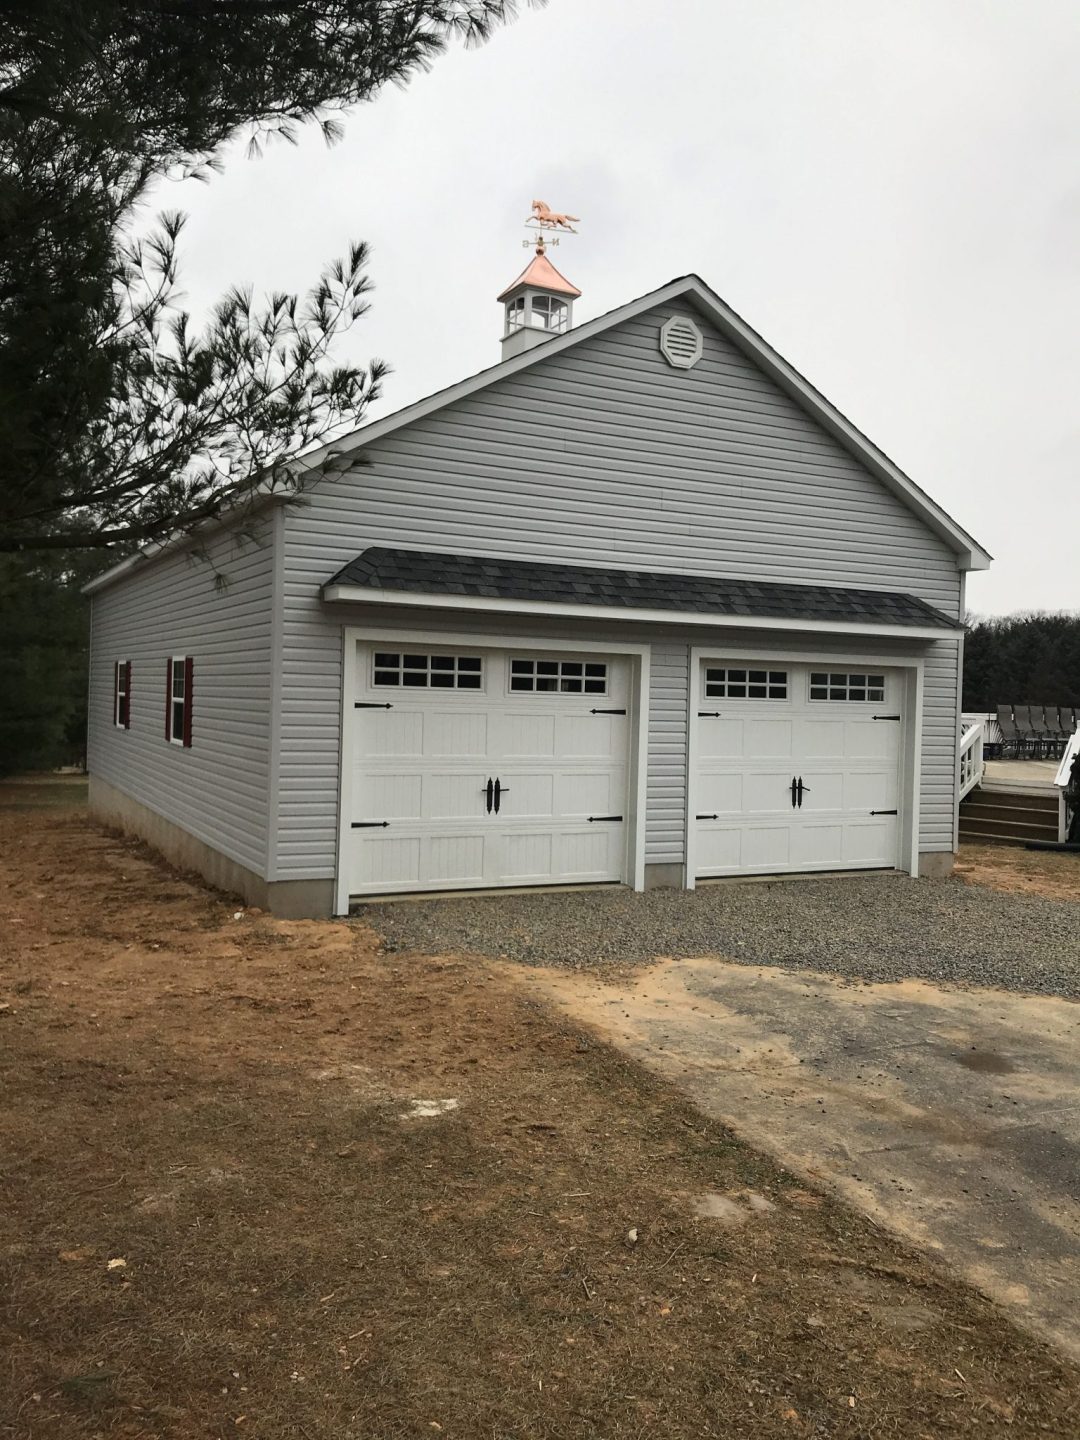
(363, 595)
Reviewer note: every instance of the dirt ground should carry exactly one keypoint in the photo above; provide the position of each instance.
(259, 1179)
(1018, 871)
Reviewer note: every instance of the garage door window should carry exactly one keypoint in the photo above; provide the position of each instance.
(723, 684)
(427, 672)
(845, 686)
(563, 677)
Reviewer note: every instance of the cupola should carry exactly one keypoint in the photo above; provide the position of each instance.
(539, 305)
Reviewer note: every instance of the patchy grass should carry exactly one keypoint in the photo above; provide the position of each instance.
(228, 1107)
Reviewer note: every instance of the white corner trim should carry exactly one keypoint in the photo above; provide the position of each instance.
(640, 657)
(365, 595)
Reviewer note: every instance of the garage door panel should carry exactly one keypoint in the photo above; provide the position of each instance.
(454, 795)
(523, 737)
(387, 861)
(588, 737)
(581, 793)
(720, 794)
(527, 856)
(397, 795)
(530, 795)
(822, 740)
(768, 739)
(592, 853)
(427, 742)
(747, 760)
(872, 740)
(767, 792)
(383, 734)
(766, 847)
(720, 739)
(449, 735)
(455, 859)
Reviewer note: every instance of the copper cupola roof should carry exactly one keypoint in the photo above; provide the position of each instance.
(540, 274)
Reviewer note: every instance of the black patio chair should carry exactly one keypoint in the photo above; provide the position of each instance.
(1011, 743)
(1032, 739)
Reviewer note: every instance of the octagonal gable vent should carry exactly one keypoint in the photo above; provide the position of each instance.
(680, 342)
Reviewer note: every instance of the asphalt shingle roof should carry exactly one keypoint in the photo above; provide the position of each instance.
(429, 573)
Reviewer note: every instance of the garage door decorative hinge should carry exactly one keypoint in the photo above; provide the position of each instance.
(607, 712)
(381, 705)
(709, 715)
(885, 717)
(370, 824)
(596, 819)
(707, 817)
(884, 812)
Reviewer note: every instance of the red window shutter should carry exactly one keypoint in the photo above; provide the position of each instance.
(189, 668)
(168, 699)
(127, 694)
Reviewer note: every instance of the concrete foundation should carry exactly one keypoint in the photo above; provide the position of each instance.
(936, 864)
(664, 877)
(288, 899)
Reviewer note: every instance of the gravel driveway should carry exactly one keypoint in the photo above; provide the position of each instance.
(874, 927)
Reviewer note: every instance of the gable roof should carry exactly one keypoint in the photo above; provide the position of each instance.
(688, 289)
(427, 572)
(692, 289)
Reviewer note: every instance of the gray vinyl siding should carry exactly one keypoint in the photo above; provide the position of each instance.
(604, 454)
(665, 803)
(219, 611)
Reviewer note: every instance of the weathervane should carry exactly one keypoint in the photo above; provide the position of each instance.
(544, 221)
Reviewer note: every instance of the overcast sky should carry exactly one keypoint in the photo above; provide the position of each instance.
(888, 190)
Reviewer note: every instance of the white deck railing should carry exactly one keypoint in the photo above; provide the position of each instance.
(1061, 779)
(972, 741)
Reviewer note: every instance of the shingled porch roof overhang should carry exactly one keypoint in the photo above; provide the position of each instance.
(477, 582)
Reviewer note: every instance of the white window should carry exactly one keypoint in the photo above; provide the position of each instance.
(564, 677)
(846, 686)
(548, 313)
(427, 672)
(122, 695)
(178, 701)
(515, 313)
(745, 684)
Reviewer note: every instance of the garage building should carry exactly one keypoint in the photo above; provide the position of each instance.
(635, 606)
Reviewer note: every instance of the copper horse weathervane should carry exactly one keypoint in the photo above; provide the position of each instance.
(547, 219)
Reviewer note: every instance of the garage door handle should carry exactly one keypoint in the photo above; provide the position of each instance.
(500, 791)
(489, 791)
(803, 790)
(794, 791)
(596, 819)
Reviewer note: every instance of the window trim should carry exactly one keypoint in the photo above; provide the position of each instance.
(599, 683)
(186, 664)
(745, 668)
(878, 697)
(122, 695)
(428, 654)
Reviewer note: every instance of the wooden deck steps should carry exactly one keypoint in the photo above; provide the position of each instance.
(1009, 817)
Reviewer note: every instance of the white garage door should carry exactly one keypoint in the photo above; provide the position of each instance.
(798, 768)
(479, 767)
